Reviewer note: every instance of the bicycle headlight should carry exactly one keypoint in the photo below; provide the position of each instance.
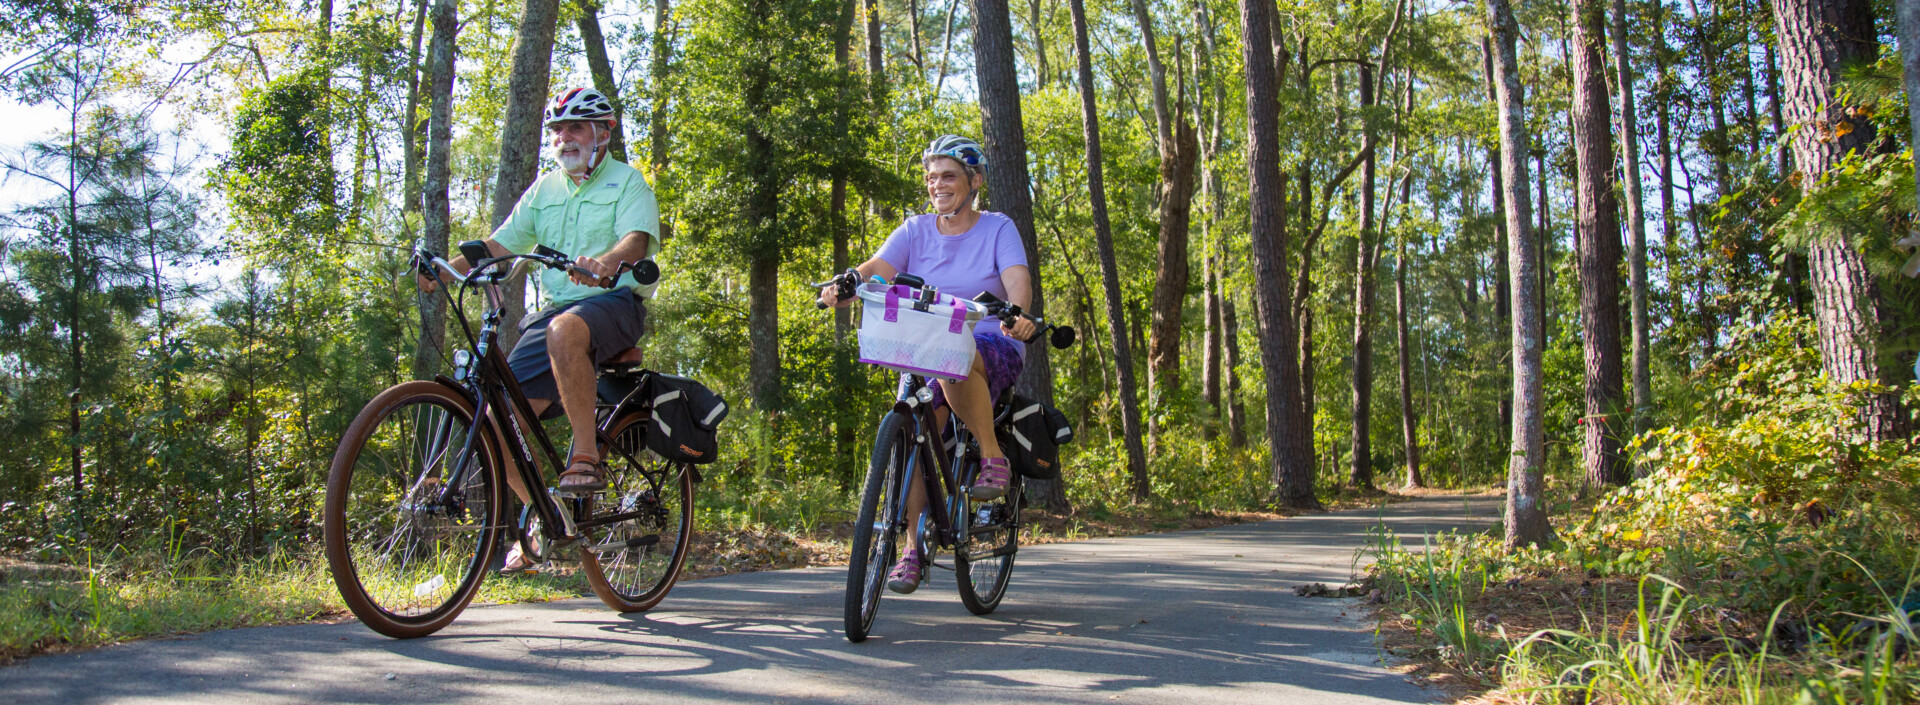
(461, 361)
(925, 395)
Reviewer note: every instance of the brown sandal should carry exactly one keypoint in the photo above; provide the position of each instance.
(595, 473)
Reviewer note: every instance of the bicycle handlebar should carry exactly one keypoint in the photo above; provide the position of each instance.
(1060, 337)
(645, 271)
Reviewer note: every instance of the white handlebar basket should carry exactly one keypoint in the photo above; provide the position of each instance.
(899, 332)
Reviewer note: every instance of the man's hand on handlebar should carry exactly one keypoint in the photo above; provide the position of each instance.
(592, 272)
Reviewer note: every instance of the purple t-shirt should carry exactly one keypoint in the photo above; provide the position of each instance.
(962, 265)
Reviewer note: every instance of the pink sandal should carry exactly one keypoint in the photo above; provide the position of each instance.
(991, 483)
(906, 574)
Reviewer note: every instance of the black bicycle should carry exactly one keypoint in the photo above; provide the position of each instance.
(416, 509)
(984, 537)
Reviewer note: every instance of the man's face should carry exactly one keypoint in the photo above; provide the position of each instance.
(573, 143)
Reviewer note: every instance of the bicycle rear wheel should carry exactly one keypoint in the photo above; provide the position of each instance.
(876, 530)
(633, 563)
(985, 563)
(407, 551)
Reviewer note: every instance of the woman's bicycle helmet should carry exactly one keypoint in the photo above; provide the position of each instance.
(964, 150)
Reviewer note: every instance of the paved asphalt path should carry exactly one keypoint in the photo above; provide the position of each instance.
(1189, 617)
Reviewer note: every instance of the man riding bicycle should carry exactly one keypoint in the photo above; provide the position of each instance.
(602, 211)
(963, 252)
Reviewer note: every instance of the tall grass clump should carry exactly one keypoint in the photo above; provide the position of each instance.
(1766, 552)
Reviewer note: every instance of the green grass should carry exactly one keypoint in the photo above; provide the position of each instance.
(130, 596)
(1671, 644)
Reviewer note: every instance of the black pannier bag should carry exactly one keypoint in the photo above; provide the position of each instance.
(1031, 438)
(686, 416)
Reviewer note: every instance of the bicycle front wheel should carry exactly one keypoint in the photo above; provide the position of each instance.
(984, 564)
(876, 530)
(632, 563)
(410, 519)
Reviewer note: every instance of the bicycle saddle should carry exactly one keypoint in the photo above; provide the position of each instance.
(623, 361)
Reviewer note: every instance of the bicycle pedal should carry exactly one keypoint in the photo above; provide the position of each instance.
(566, 544)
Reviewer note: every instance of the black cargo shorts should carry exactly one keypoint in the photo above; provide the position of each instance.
(614, 320)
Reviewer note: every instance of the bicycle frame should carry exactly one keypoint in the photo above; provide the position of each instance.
(489, 383)
(927, 442)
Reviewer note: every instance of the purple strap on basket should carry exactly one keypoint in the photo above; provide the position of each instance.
(959, 319)
(893, 306)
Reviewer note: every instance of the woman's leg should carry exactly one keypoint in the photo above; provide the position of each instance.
(973, 401)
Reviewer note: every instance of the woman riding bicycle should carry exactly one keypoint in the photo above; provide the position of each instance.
(963, 252)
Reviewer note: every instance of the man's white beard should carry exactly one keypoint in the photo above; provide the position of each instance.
(576, 162)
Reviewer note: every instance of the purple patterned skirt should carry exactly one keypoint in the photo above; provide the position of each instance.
(1000, 355)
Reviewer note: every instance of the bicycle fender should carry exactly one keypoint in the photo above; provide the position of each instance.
(456, 388)
(498, 445)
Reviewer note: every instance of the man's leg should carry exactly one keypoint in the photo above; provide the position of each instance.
(569, 347)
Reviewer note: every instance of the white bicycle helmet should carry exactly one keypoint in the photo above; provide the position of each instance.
(965, 150)
(579, 104)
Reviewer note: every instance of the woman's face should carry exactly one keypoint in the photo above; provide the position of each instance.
(949, 184)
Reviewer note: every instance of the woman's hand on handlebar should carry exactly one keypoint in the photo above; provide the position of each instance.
(1021, 328)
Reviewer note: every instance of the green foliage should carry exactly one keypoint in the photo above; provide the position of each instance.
(279, 177)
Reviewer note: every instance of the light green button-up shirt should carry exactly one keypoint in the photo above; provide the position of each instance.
(584, 220)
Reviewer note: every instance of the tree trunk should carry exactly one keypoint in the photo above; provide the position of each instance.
(1043, 75)
(1526, 515)
(876, 57)
(410, 122)
(1636, 225)
(1818, 40)
(1662, 125)
(1109, 268)
(1503, 304)
(946, 48)
(1409, 424)
(1177, 144)
(763, 329)
(1236, 412)
(602, 71)
(1007, 183)
(659, 151)
(1287, 435)
(762, 210)
(436, 215)
(1211, 197)
(913, 35)
(1211, 348)
(1715, 144)
(845, 375)
(520, 137)
(1908, 17)
(432, 308)
(1360, 469)
(1543, 242)
(1599, 242)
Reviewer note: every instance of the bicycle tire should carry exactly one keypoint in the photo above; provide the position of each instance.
(626, 572)
(984, 582)
(869, 560)
(405, 563)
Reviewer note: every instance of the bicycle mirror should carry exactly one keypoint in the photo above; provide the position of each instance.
(1062, 337)
(474, 251)
(646, 272)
